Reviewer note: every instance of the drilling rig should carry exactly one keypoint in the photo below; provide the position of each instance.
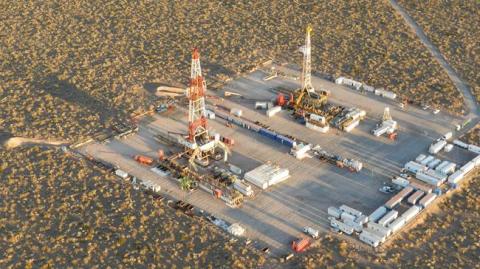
(306, 98)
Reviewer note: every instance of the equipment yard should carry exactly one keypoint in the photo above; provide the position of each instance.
(275, 216)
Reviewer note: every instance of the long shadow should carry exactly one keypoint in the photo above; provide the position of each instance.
(70, 93)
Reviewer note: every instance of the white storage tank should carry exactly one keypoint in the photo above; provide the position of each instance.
(389, 217)
(261, 105)
(334, 212)
(377, 214)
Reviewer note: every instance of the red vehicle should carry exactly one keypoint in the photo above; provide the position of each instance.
(143, 159)
(300, 245)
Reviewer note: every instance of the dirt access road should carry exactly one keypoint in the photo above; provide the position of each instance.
(473, 111)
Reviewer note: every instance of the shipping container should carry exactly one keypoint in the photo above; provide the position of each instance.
(318, 118)
(397, 224)
(389, 217)
(312, 232)
(460, 144)
(380, 130)
(362, 219)
(400, 181)
(420, 158)
(468, 167)
(351, 126)
(448, 169)
(436, 174)
(384, 231)
(334, 212)
(274, 110)
(437, 146)
(425, 201)
(368, 88)
(456, 177)
(411, 212)
(321, 129)
(448, 148)
(423, 187)
(398, 197)
(357, 227)
(369, 239)
(381, 236)
(260, 105)
(428, 179)
(434, 163)
(347, 217)
(377, 214)
(414, 167)
(389, 95)
(415, 197)
(351, 211)
(474, 149)
(441, 166)
(428, 159)
(243, 188)
(341, 226)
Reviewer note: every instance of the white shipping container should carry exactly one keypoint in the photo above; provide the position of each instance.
(377, 214)
(347, 217)
(260, 105)
(411, 212)
(378, 92)
(448, 148)
(414, 167)
(474, 149)
(456, 177)
(428, 179)
(351, 126)
(468, 167)
(420, 158)
(368, 88)
(442, 165)
(400, 181)
(318, 118)
(339, 80)
(362, 219)
(357, 227)
(274, 110)
(448, 169)
(389, 95)
(389, 217)
(425, 201)
(341, 226)
(334, 212)
(397, 224)
(427, 160)
(369, 239)
(437, 146)
(384, 231)
(434, 163)
(376, 233)
(460, 144)
(351, 211)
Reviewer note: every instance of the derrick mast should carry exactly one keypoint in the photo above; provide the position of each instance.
(307, 61)
(197, 121)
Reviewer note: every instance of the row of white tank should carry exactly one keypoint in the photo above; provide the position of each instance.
(361, 86)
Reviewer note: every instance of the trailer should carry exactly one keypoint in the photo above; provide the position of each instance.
(377, 214)
(415, 197)
(389, 217)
